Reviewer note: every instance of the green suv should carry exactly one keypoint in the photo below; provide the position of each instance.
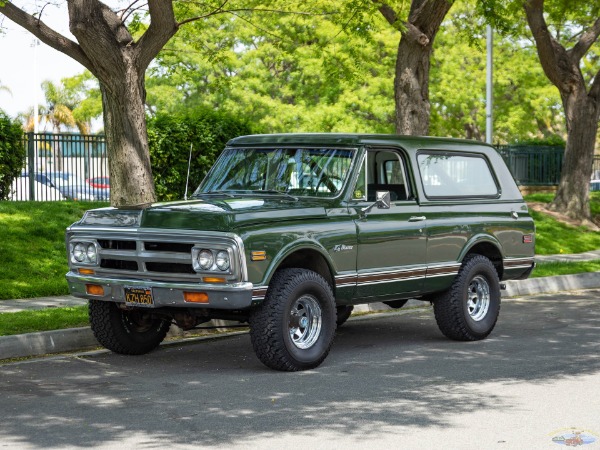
(288, 232)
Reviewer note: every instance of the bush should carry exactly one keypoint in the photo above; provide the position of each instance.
(170, 137)
(12, 153)
(550, 141)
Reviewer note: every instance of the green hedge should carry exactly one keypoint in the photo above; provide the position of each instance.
(170, 137)
(12, 153)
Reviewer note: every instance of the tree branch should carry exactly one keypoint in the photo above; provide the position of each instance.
(46, 34)
(387, 12)
(552, 55)
(162, 27)
(585, 42)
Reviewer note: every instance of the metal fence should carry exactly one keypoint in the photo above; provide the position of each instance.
(538, 165)
(65, 166)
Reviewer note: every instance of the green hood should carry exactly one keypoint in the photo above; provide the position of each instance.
(215, 214)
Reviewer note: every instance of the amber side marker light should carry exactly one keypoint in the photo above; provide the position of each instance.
(195, 297)
(94, 289)
(258, 255)
(86, 272)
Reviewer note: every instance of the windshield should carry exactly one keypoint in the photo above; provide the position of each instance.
(302, 172)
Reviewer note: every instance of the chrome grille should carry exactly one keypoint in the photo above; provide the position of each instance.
(156, 255)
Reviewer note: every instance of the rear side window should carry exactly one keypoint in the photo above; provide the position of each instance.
(456, 175)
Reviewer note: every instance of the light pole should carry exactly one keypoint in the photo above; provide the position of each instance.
(489, 122)
(36, 119)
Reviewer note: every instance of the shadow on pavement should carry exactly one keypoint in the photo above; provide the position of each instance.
(388, 371)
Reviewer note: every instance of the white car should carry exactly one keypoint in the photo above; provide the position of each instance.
(19, 191)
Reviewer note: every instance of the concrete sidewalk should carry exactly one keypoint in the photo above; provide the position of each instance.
(67, 340)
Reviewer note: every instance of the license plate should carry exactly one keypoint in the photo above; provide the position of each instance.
(138, 296)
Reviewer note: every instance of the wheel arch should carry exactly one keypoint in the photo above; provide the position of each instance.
(311, 259)
(490, 249)
(308, 257)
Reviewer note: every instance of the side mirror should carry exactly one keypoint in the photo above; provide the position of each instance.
(382, 201)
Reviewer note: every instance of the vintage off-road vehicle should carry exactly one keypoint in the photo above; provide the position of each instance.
(288, 232)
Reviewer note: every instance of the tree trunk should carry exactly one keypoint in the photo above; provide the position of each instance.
(572, 197)
(411, 83)
(411, 88)
(131, 179)
(582, 109)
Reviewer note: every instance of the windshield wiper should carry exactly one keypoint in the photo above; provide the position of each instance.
(225, 193)
(275, 192)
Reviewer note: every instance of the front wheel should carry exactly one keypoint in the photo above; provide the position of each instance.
(468, 311)
(294, 327)
(129, 332)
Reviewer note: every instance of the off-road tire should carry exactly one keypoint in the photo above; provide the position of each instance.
(292, 295)
(468, 311)
(343, 314)
(131, 332)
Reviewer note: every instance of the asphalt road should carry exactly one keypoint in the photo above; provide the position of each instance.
(391, 381)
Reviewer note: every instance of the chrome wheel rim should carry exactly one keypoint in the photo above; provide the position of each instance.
(478, 298)
(305, 322)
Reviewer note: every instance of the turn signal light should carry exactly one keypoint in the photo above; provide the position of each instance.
(214, 280)
(86, 272)
(94, 289)
(195, 297)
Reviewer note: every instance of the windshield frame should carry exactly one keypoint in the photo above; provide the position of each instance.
(199, 192)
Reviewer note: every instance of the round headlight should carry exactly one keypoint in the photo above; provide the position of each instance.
(79, 252)
(205, 259)
(91, 253)
(223, 260)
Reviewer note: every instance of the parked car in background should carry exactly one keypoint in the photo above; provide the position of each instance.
(99, 182)
(20, 191)
(71, 186)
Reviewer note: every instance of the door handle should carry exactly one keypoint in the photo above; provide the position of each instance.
(417, 218)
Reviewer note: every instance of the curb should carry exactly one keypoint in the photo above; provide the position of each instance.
(44, 342)
(74, 339)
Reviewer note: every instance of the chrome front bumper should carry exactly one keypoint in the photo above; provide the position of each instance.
(165, 294)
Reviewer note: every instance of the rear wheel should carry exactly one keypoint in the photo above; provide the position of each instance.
(294, 326)
(468, 311)
(130, 332)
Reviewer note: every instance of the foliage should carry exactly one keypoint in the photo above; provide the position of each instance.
(290, 72)
(36, 267)
(170, 137)
(311, 72)
(553, 141)
(12, 153)
(526, 105)
(43, 320)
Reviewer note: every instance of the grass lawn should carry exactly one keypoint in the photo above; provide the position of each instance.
(554, 237)
(43, 320)
(32, 246)
(547, 269)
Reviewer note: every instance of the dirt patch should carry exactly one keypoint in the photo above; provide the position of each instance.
(543, 208)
